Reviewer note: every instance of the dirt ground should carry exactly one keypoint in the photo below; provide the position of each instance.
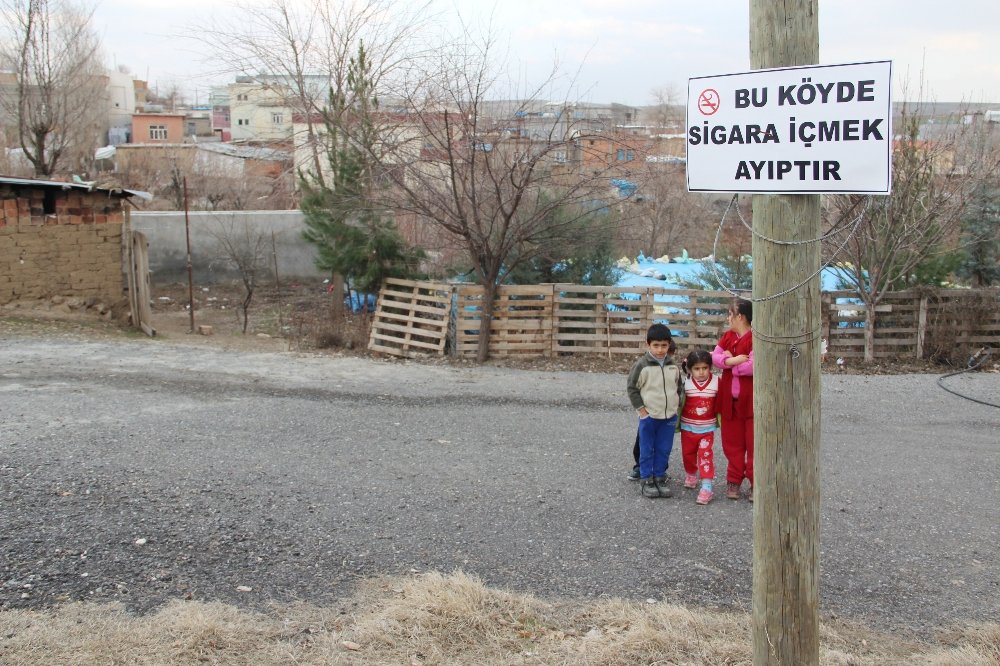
(296, 317)
(292, 317)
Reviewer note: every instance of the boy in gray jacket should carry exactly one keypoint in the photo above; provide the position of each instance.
(656, 389)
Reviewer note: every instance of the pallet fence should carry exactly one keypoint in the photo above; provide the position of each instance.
(915, 323)
(411, 318)
(430, 318)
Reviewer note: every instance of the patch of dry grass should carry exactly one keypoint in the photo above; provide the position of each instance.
(435, 619)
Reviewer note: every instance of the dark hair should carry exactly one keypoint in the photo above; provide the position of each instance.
(743, 307)
(696, 357)
(659, 332)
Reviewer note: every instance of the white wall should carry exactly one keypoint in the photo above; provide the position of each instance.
(168, 249)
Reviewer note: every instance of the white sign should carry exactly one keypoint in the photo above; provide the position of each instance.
(815, 129)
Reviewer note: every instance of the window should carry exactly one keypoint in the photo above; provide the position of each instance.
(158, 132)
(243, 121)
(620, 156)
(277, 118)
(629, 156)
(242, 97)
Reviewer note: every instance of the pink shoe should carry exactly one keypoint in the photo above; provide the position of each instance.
(704, 497)
(690, 481)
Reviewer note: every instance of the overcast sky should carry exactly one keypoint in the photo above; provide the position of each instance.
(619, 51)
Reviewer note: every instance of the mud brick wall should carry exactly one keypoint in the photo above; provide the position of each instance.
(56, 242)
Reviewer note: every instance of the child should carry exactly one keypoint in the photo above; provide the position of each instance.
(633, 475)
(734, 354)
(655, 389)
(698, 423)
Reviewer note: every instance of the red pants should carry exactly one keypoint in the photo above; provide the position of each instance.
(697, 448)
(737, 444)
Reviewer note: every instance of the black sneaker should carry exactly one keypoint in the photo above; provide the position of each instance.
(662, 487)
(649, 488)
(634, 474)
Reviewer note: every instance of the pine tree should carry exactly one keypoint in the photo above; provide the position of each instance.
(585, 256)
(981, 238)
(727, 272)
(352, 236)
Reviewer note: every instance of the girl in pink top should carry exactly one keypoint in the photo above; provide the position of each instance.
(734, 354)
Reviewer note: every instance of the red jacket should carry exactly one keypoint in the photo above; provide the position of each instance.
(742, 407)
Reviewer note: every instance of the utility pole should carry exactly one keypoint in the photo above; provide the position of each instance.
(787, 377)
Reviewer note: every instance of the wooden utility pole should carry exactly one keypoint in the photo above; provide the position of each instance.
(787, 378)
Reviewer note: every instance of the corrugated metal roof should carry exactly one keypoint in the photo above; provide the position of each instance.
(251, 152)
(86, 187)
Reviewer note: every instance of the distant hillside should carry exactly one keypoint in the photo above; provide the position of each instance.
(941, 109)
(652, 114)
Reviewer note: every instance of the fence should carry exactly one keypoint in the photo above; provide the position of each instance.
(412, 318)
(914, 324)
(416, 318)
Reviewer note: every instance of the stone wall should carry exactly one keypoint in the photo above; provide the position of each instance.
(56, 242)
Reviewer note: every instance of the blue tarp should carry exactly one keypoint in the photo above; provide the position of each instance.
(673, 272)
(684, 271)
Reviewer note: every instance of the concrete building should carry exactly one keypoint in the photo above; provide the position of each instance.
(219, 101)
(627, 148)
(207, 159)
(158, 127)
(122, 104)
(198, 124)
(259, 113)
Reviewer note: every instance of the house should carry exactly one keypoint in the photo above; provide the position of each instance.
(204, 159)
(121, 106)
(219, 101)
(61, 239)
(629, 148)
(157, 127)
(198, 124)
(212, 168)
(402, 135)
(259, 112)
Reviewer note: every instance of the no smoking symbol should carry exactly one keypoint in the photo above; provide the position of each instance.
(708, 101)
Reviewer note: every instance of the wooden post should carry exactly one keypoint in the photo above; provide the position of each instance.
(921, 325)
(787, 378)
(187, 238)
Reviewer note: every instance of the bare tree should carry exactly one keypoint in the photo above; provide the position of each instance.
(667, 109)
(665, 214)
(491, 174)
(59, 98)
(254, 185)
(936, 168)
(302, 52)
(246, 249)
(169, 97)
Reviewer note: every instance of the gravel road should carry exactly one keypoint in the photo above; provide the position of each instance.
(141, 471)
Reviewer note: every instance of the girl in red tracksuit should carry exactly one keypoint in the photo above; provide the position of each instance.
(698, 423)
(734, 354)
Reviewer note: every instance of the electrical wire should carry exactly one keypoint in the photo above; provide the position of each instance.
(836, 229)
(982, 355)
(738, 293)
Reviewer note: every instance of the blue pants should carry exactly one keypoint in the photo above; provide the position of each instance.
(656, 440)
